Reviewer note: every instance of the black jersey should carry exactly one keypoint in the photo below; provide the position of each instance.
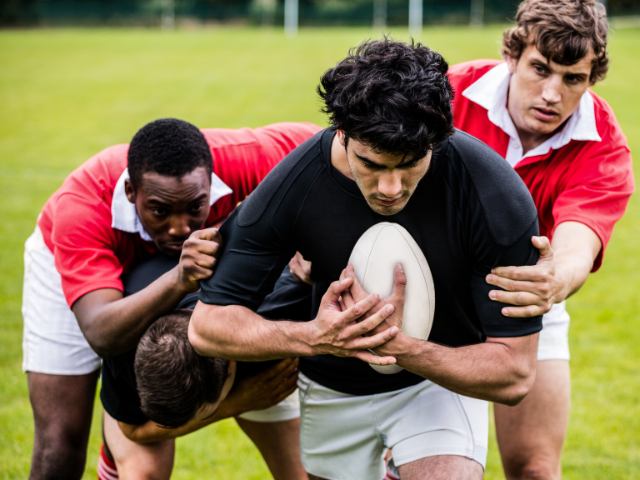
(470, 212)
(119, 394)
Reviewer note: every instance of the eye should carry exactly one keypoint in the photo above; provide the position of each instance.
(370, 166)
(411, 164)
(540, 70)
(197, 208)
(572, 80)
(159, 212)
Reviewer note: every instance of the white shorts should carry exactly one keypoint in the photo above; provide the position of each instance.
(554, 337)
(287, 409)
(344, 437)
(52, 342)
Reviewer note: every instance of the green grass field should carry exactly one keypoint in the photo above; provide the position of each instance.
(67, 94)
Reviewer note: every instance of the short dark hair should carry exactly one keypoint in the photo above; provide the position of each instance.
(563, 31)
(169, 147)
(392, 96)
(174, 382)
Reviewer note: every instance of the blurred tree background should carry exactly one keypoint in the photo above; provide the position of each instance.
(19, 13)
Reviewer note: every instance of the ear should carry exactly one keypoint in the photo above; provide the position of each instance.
(341, 137)
(511, 63)
(129, 191)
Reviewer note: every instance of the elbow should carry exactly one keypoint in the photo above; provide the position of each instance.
(100, 345)
(199, 331)
(521, 384)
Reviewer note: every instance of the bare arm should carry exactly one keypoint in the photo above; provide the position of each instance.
(562, 269)
(500, 370)
(261, 391)
(113, 324)
(237, 333)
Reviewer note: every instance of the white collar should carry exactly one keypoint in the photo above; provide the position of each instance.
(490, 92)
(125, 216)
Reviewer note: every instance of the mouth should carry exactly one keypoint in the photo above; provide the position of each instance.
(545, 114)
(174, 247)
(388, 203)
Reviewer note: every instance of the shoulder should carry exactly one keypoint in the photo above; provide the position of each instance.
(281, 177)
(464, 74)
(607, 124)
(97, 177)
(502, 196)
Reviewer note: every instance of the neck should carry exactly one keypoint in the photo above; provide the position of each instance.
(339, 158)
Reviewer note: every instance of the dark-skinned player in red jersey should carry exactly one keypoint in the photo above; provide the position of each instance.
(102, 221)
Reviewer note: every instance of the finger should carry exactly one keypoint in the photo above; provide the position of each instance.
(335, 290)
(531, 273)
(516, 285)
(544, 245)
(205, 261)
(516, 298)
(526, 312)
(356, 289)
(367, 343)
(360, 308)
(206, 247)
(399, 282)
(343, 307)
(197, 273)
(211, 234)
(286, 389)
(280, 367)
(365, 326)
(372, 359)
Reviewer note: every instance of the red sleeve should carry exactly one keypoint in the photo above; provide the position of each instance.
(243, 165)
(598, 191)
(84, 250)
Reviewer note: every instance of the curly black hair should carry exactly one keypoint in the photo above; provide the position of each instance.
(169, 147)
(392, 96)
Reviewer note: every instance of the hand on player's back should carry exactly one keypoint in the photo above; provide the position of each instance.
(356, 293)
(265, 389)
(341, 333)
(198, 258)
(531, 288)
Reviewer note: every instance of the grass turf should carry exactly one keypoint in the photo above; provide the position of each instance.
(67, 94)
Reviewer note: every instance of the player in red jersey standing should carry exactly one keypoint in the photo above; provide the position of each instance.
(119, 208)
(536, 110)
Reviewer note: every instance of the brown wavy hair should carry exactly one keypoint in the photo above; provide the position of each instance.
(563, 31)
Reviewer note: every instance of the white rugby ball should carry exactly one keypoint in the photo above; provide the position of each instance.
(374, 257)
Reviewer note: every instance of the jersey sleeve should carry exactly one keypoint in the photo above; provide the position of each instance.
(83, 251)
(597, 193)
(491, 255)
(258, 236)
(249, 264)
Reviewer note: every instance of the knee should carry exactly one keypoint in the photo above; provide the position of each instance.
(534, 469)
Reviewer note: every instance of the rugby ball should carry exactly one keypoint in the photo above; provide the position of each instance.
(374, 257)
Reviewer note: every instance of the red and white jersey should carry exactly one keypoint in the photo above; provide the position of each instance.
(583, 173)
(95, 234)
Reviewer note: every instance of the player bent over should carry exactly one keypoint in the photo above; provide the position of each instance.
(174, 387)
(536, 110)
(392, 155)
(122, 206)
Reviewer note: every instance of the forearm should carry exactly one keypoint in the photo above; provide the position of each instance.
(114, 324)
(237, 333)
(151, 432)
(575, 248)
(490, 371)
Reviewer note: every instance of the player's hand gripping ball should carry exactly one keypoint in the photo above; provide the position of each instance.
(374, 257)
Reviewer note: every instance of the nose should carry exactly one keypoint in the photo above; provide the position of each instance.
(179, 226)
(552, 91)
(390, 184)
